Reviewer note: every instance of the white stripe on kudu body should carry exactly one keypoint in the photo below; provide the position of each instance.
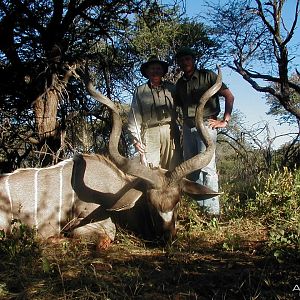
(60, 196)
(36, 198)
(7, 189)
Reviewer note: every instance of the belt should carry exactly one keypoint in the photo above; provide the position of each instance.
(190, 122)
(157, 124)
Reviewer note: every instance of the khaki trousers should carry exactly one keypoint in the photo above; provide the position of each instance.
(161, 148)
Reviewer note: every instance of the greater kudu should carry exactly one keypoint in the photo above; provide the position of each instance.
(88, 194)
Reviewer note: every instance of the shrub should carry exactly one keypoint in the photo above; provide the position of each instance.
(19, 243)
(277, 205)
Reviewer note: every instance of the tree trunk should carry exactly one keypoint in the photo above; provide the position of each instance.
(45, 114)
(45, 108)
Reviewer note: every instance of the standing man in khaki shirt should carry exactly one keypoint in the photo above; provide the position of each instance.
(151, 121)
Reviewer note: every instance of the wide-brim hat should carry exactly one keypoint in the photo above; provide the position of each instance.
(154, 60)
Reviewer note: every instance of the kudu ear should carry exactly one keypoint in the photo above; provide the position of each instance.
(127, 201)
(192, 188)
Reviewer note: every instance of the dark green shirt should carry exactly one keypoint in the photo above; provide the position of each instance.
(189, 92)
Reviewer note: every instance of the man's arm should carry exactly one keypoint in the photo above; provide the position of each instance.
(229, 99)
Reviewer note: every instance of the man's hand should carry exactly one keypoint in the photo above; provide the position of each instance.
(140, 147)
(214, 124)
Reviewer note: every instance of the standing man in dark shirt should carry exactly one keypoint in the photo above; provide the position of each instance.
(189, 88)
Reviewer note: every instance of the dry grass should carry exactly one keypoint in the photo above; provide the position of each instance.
(210, 259)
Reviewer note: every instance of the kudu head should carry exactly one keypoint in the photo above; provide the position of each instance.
(163, 188)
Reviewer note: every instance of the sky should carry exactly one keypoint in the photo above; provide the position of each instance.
(250, 102)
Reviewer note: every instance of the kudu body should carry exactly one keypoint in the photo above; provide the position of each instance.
(88, 194)
(84, 195)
